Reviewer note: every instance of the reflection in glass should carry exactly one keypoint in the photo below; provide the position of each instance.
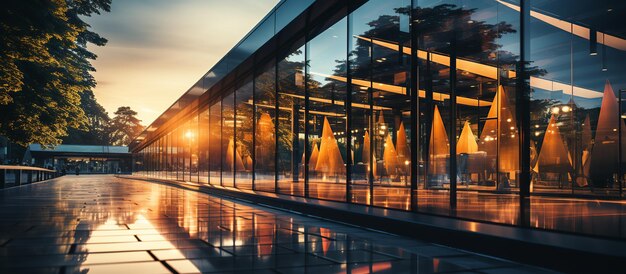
(203, 145)
(291, 122)
(215, 148)
(231, 159)
(576, 121)
(355, 70)
(326, 57)
(265, 121)
(244, 129)
(192, 135)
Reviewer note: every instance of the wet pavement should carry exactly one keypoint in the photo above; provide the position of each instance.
(104, 224)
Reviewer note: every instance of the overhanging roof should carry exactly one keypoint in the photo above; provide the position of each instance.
(280, 16)
(79, 149)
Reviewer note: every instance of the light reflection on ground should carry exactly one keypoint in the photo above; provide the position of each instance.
(103, 224)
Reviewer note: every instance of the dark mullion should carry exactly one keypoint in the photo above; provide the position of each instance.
(190, 142)
(370, 100)
(276, 123)
(452, 121)
(221, 142)
(428, 116)
(234, 106)
(198, 144)
(306, 116)
(414, 109)
(253, 152)
(522, 101)
(348, 109)
(208, 145)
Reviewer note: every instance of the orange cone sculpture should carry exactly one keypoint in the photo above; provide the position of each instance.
(313, 160)
(605, 150)
(265, 142)
(587, 146)
(467, 140)
(329, 159)
(390, 157)
(366, 148)
(235, 162)
(402, 147)
(501, 129)
(438, 146)
(553, 155)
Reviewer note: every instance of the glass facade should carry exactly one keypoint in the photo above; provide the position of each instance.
(485, 110)
(290, 125)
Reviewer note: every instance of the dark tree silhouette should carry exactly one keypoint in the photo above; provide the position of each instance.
(44, 67)
(125, 126)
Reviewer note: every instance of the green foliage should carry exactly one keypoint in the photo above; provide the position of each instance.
(44, 67)
(124, 127)
(96, 129)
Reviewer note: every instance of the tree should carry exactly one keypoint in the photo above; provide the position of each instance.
(96, 129)
(125, 126)
(44, 67)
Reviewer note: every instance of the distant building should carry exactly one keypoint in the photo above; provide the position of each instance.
(89, 159)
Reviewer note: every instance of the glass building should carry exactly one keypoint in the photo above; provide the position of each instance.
(503, 111)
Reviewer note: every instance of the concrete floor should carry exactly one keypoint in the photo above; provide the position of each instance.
(104, 224)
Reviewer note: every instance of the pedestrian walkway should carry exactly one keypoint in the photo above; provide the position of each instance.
(104, 224)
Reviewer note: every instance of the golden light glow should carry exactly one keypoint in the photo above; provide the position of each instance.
(578, 30)
(97, 248)
(487, 70)
(401, 90)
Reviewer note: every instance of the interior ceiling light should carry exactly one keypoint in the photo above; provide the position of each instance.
(487, 71)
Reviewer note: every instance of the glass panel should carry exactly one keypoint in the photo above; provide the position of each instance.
(361, 114)
(155, 147)
(168, 160)
(327, 116)
(180, 144)
(228, 140)
(164, 157)
(215, 148)
(175, 155)
(487, 133)
(171, 173)
(575, 112)
(161, 157)
(261, 34)
(157, 155)
(186, 138)
(147, 159)
(380, 78)
(288, 11)
(291, 122)
(153, 159)
(243, 154)
(434, 19)
(265, 121)
(203, 145)
(192, 135)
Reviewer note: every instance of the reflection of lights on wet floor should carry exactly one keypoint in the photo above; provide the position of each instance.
(301, 235)
(100, 252)
(149, 228)
(376, 267)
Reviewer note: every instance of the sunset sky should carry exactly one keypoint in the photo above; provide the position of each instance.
(158, 48)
